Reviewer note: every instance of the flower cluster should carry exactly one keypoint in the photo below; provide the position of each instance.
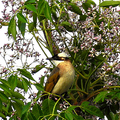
(10, 7)
(99, 34)
(19, 54)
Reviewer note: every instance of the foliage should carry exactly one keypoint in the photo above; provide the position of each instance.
(88, 33)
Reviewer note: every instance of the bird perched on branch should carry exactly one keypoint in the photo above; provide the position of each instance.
(62, 76)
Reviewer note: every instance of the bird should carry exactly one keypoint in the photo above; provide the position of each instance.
(62, 76)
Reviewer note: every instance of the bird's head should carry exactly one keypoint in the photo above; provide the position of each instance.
(58, 58)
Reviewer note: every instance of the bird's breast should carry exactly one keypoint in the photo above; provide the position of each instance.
(66, 79)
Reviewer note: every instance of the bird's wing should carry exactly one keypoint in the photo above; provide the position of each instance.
(52, 80)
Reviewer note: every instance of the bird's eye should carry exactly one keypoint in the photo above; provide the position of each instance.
(62, 58)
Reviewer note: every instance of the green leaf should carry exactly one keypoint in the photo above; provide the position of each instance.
(5, 82)
(37, 112)
(42, 80)
(12, 28)
(86, 103)
(68, 116)
(83, 17)
(31, 26)
(77, 117)
(24, 116)
(91, 2)
(17, 108)
(41, 6)
(54, 13)
(92, 110)
(47, 106)
(0, 104)
(31, 7)
(112, 115)
(9, 107)
(70, 112)
(19, 102)
(17, 95)
(67, 26)
(115, 95)
(21, 27)
(71, 108)
(31, 116)
(15, 82)
(39, 87)
(25, 85)
(2, 115)
(26, 108)
(100, 96)
(117, 117)
(5, 88)
(62, 114)
(37, 68)
(25, 73)
(12, 80)
(3, 96)
(21, 18)
(5, 109)
(74, 8)
(27, 82)
(19, 84)
(88, 4)
(109, 3)
(47, 11)
(34, 19)
(41, 17)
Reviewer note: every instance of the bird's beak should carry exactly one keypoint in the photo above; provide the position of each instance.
(50, 58)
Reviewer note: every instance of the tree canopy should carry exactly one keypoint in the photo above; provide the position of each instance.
(90, 34)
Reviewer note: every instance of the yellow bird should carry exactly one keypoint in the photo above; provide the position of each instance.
(62, 76)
